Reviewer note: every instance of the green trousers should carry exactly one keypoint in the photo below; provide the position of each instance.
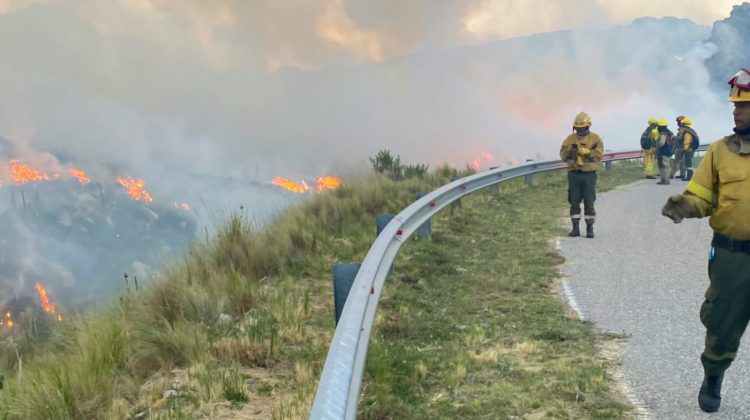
(582, 187)
(726, 310)
(689, 159)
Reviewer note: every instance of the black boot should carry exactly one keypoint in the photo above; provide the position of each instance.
(589, 228)
(576, 231)
(709, 397)
(689, 175)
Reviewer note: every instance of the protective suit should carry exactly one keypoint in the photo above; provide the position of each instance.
(583, 152)
(720, 189)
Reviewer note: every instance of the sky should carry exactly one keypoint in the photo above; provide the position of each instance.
(178, 91)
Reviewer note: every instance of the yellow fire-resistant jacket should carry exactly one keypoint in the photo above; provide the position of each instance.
(720, 188)
(655, 137)
(589, 162)
(687, 139)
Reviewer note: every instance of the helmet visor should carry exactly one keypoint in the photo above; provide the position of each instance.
(741, 80)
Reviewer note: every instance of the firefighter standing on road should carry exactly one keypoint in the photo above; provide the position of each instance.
(690, 143)
(648, 144)
(583, 151)
(721, 189)
(664, 151)
(678, 164)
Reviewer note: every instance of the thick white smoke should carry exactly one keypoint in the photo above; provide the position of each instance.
(208, 101)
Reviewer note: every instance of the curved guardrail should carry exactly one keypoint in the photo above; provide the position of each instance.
(340, 381)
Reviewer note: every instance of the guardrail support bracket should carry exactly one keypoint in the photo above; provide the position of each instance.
(343, 278)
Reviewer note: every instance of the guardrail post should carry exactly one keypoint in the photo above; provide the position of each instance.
(456, 204)
(529, 177)
(424, 230)
(343, 278)
(381, 220)
(607, 164)
(495, 188)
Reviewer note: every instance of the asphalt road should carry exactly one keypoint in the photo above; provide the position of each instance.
(645, 276)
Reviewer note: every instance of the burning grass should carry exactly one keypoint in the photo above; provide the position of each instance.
(239, 327)
(245, 300)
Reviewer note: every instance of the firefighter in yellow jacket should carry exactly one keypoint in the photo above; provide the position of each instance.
(690, 143)
(648, 144)
(583, 151)
(720, 189)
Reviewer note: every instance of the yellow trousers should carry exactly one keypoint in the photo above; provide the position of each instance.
(649, 162)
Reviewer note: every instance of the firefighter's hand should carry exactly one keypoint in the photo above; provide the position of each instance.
(583, 151)
(677, 208)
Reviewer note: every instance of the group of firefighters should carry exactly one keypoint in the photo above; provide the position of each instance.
(719, 189)
(665, 153)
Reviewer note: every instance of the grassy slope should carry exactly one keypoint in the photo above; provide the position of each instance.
(468, 327)
(239, 327)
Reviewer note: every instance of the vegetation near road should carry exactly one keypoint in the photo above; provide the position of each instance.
(239, 327)
(469, 326)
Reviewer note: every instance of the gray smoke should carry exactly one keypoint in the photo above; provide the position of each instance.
(209, 101)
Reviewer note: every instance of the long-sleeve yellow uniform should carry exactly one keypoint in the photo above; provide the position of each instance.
(588, 154)
(720, 187)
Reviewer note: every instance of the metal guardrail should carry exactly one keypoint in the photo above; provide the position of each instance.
(338, 391)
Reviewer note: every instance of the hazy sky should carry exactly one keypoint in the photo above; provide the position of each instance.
(255, 89)
(207, 101)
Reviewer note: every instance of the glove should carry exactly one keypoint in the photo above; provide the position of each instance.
(584, 151)
(677, 208)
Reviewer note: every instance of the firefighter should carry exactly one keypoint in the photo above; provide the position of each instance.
(690, 143)
(664, 145)
(649, 148)
(721, 189)
(583, 151)
(678, 163)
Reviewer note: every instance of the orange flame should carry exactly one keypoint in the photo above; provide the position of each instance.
(484, 157)
(184, 206)
(289, 185)
(328, 183)
(7, 321)
(22, 174)
(46, 304)
(136, 189)
(59, 317)
(321, 184)
(82, 177)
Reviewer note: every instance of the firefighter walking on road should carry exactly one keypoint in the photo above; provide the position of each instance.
(721, 189)
(583, 151)
(648, 144)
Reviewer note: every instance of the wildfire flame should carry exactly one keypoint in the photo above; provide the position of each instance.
(289, 185)
(22, 173)
(77, 173)
(328, 183)
(321, 184)
(7, 321)
(46, 304)
(484, 157)
(136, 189)
(184, 206)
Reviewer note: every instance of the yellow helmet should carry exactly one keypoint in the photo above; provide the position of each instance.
(740, 86)
(662, 123)
(582, 120)
(652, 120)
(687, 121)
